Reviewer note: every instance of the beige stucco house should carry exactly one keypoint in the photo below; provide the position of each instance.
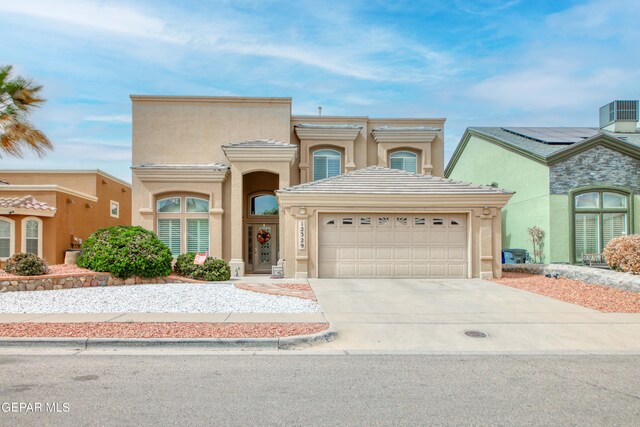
(318, 196)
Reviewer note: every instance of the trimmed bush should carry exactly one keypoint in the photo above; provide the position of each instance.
(623, 254)
(126, 251)
(26, 264)
(213, 269)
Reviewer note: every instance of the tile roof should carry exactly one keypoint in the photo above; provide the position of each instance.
(405, 128)
(380, 180)
(260, 143)
(542, 149)
(211, 166)
(328, 126)
(24, 202)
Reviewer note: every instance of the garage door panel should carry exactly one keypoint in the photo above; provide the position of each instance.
(382, 245)
(456, 237)
(420, 254)
(366, 254)
(384, 254)
(456, 254)
(384, 270)
(402, 254)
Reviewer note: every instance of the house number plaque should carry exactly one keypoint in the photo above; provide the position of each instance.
(302, 234)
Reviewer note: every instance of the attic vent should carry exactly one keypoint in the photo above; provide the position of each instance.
(619, 111)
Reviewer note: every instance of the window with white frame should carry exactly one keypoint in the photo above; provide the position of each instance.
(599, 216)
(183, 223)
(7, 236)
(326, 163)
(114, 209)
(404, 160)
(32, 236)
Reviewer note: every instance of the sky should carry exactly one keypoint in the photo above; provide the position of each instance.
(477, 62)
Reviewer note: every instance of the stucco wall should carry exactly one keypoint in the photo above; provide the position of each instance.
(483, 162)
(192, 130)
(597, 166)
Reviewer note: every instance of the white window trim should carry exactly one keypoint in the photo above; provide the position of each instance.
(113, 202)
(402, 155)
(316, 153)
(12, 237)
(24, 234)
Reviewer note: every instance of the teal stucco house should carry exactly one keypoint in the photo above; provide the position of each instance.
(581, 185)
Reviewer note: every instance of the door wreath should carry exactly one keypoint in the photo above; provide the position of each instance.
(263, 236)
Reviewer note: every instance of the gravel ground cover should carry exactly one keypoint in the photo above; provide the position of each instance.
(597, 297)
(159, 330)
(53, 270)
(163, 298)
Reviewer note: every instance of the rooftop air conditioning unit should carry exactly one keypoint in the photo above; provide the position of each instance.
(619, 116)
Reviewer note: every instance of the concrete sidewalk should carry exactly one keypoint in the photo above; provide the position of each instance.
(165, 317)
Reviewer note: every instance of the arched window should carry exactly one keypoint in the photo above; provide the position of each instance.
(264, 204)
(183, 223)
(326, 163)
(7, 234)
(32, 236)
(599, 216)
(404, 160)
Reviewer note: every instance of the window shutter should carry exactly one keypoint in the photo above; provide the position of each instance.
(586, 235)
(333, 168)
(5, 239)
(169, 233)
(319, 167)
(31, 237)
(197, 235)
(613, 225)
(396, 163)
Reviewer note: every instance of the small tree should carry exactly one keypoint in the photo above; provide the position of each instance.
(18, 98)
(537, 234)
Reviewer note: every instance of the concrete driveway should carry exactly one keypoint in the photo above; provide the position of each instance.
(419, 315)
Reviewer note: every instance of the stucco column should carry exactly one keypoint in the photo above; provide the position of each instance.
(427, 166)
(302, 244)
(350, 164)
(304, 162)
(237, 259)
(215, 219)
(284, 181)
(486, 242)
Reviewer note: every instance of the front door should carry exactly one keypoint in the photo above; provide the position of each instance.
(264, 247)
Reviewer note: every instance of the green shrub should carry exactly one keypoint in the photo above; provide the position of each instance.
(26, 264)
(213, 269)
(126, 251)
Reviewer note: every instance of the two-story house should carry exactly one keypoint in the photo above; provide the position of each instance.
(320, 196)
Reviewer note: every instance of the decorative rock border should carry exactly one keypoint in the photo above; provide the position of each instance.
(69, 281)
(594, 276)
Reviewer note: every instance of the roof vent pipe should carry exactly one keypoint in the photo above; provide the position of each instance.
(619, 116)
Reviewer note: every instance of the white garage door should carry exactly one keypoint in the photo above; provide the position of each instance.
(380, 245)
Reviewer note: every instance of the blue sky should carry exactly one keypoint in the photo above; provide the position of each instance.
(477, 63)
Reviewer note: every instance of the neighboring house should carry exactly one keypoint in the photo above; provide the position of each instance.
(258, 187)
(580, 185)
(46, 212)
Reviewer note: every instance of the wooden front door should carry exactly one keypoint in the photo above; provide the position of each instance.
(263, 247)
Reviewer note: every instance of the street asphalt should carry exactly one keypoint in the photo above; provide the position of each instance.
(288, 389)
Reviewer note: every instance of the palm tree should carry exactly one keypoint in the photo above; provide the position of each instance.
(18, 98)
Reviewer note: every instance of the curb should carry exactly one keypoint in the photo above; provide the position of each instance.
(279, 343)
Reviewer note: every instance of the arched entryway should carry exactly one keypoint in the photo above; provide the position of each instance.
(261, 221)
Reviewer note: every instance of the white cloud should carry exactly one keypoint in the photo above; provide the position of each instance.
(110, 17)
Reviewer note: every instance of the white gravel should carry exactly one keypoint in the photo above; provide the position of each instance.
(169, 298)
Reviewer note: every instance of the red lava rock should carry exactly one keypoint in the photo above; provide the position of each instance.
(597, 297)
(159, 330)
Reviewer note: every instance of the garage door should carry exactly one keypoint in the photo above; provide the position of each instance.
(380, 245)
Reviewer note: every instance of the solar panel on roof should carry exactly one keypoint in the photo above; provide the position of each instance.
(553, 135)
